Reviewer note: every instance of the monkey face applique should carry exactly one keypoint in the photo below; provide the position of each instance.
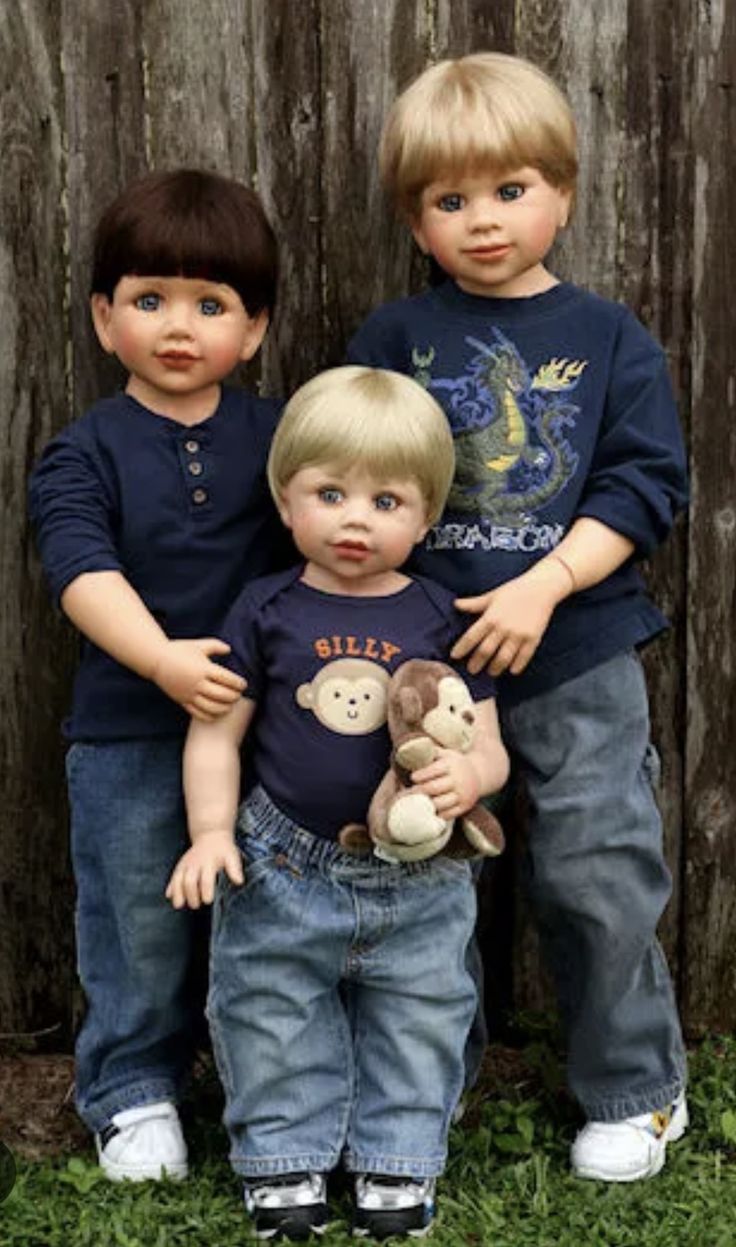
(347, 696)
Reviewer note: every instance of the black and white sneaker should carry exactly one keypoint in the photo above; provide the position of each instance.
(386, 1205)
(287, 1205)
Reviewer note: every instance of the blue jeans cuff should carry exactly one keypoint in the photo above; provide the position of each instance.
(616, 1108)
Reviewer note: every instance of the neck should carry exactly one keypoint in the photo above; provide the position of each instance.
(383, 584)
(184, 408)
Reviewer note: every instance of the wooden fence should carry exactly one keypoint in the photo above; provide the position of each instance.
(290, 96)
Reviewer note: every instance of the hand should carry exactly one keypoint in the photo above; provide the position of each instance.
(193, 879)
(185, 672)
(512, 620)
(451, 781)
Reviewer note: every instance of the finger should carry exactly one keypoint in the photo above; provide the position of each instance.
(446, 802)
(503, 657)
(484, 654)
(435, 770)
(173, 891)
(225, 678)
(473, 605)
(214, 707)
(524, 655)
(191, 888)
(207, 884)
(215, 691)
(213, 645)
(471, 638)
(234, 868)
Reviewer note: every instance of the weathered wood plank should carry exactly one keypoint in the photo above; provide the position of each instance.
(369, 53)
(102, 62)
(656, 261)
(709, 968)
(288, 158)
(35, 896)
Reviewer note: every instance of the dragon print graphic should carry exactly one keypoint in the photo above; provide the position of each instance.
(509, 428)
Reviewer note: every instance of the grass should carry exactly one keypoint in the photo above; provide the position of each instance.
(507, 1184)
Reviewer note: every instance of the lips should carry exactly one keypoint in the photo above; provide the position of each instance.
(353, 551)
(176, 359)
(489, 253)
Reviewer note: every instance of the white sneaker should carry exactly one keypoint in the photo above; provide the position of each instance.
(141, 1143)
(625, 1151)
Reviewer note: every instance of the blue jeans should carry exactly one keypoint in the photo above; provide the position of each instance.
(134, 951)
(339, 1003)
(598, 884)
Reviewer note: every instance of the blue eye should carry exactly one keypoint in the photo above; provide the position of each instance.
(386, 502)
(210, 307)
(510, 191)
(330, 495)
(451, 203)
(148, 302)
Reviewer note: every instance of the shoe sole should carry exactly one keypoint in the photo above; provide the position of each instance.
(293, 1234)
(676, 1129)
(156, 1173)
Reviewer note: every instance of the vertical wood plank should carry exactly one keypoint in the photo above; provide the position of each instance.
(198, 83)
(102, 62)
(369, 52)
(709, 981)
(199, 95)
(35, 897)
(286, 123)
(656, 262)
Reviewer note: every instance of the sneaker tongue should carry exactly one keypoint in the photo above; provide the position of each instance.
(389, 1179)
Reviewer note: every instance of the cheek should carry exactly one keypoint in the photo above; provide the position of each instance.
(223, 348)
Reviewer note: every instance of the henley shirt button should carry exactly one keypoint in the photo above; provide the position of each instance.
(199, 495)
(195, 467)
(191, 446)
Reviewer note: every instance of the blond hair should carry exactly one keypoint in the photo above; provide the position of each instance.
(380, 421)
(485, 111)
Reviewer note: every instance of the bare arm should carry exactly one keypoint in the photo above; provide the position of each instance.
(513, 618)
(455, 781)
(211, 790)
(107, 609)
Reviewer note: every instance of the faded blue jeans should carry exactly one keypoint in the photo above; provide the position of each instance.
(134, 951)
(598, 884)
(339, 1003)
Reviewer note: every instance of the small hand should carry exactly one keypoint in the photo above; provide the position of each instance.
(451, 781)
(186, 673)
(193, 879)
(512, 620)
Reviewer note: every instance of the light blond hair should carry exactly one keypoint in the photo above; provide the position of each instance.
(380, 421)
(485, 111)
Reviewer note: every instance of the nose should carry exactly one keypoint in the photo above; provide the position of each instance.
(179, 319)
(357, 511)
(483, 213)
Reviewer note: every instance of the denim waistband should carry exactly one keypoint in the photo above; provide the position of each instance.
(261, 818)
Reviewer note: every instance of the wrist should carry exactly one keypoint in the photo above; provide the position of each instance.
(555, 574)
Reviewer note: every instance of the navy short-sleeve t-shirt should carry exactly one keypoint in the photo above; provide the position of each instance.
(318, 666)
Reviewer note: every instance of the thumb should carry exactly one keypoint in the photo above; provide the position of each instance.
(213, 645)
(473, 606)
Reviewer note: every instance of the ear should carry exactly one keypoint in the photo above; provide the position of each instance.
(565, 208)
(415, 224)
(410, 705)
(101, 309)
(284, 510)
(254, 334)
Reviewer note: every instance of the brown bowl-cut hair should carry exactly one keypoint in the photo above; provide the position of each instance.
(188, 223)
